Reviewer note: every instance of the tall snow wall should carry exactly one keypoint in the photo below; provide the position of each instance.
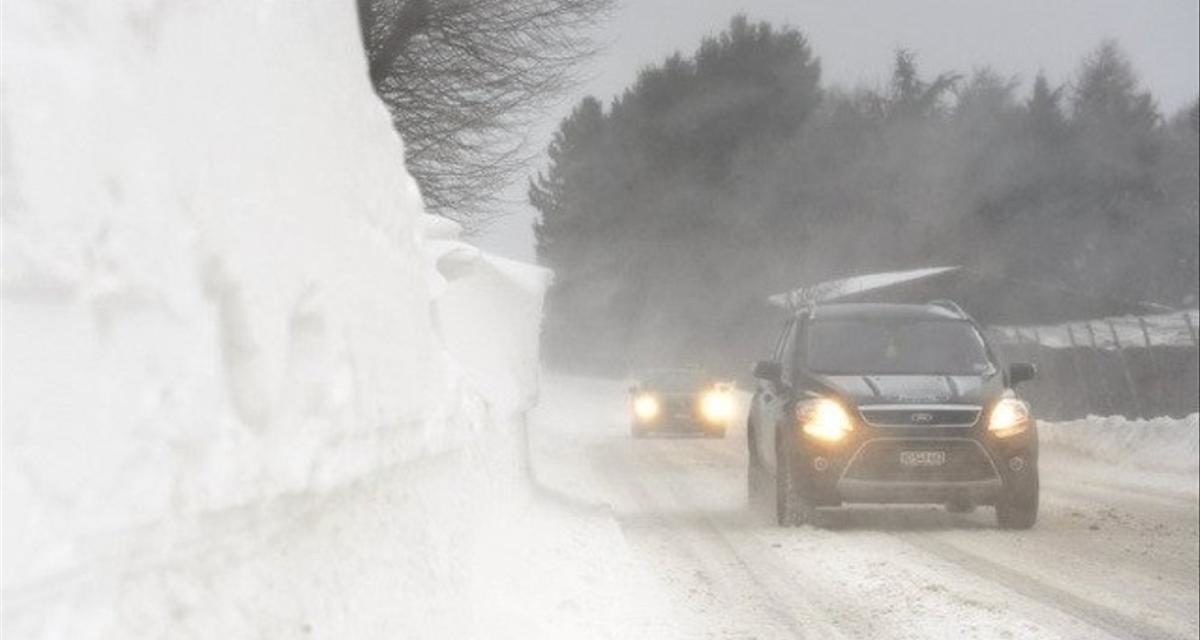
(218, 283)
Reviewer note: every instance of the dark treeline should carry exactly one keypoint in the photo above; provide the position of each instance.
(720, 178)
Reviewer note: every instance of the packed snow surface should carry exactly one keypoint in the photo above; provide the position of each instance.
(1113, 555)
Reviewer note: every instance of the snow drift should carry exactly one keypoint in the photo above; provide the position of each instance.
(1161, 444)
(219, 288)
(1163, 330)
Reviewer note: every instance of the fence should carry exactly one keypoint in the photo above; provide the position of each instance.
(1138, 367)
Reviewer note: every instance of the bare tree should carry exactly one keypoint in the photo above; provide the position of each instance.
(465, 80)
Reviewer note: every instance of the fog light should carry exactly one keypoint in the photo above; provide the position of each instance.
(1016, 463)
(820, 464)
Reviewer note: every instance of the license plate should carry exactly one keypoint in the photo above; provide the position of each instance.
(922, 458)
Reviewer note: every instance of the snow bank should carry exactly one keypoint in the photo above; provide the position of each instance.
(1165, 330)
(835, 289)
(1160, 444)
(218, 284)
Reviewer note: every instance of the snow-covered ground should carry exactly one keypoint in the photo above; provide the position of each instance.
(450, 546)
(1157, 445)
(1114, 554)
(251, 390)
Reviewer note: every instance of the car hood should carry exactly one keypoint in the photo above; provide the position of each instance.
(915, 389)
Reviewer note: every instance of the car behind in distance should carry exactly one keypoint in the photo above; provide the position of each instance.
(887, 403)
(680, 401)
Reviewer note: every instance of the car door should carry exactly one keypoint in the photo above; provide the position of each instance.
(762, 391)
(771, 398)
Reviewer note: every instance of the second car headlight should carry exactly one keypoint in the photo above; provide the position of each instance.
(824, 419)
(1009, 417)
(717, 406)
(645, 407)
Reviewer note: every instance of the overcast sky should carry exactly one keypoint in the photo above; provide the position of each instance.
(855, 40)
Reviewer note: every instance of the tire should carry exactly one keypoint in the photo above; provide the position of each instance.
(793, 507)
(757, 486)
(757, 482)
(1017, 506)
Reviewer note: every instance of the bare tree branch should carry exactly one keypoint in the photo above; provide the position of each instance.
(466, 79)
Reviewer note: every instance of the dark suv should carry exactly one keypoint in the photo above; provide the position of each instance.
(890, 403)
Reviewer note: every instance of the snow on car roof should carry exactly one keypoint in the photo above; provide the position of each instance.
(855, 285)
(884, 310)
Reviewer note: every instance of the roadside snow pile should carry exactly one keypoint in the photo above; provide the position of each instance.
(226, 321)
(1160, 444)
(212, 273)
(1176, 329)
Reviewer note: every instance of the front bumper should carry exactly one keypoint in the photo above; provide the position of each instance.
(867, 468)
(903, 492)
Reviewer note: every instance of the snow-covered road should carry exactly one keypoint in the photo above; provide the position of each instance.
(1114, 553)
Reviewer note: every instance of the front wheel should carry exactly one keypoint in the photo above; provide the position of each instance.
(1017, 506)
(757, 486)
(793, 507)
(757, 481)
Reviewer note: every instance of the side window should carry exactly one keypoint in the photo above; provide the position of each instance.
(777, 354)
(790, 345)
(792, 352)
(800, 346)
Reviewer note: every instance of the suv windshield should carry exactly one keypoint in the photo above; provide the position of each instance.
(895, 346)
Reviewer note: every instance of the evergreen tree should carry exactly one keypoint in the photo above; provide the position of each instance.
(721, 177)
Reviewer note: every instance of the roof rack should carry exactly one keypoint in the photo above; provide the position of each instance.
(853, 286)
(949, 305)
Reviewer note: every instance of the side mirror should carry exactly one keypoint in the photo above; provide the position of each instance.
(768, 370)
(1019, 372)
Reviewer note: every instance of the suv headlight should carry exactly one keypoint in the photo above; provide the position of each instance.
(824, 419)
(1009, 417)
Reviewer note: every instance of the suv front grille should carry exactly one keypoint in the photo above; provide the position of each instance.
(880, 460)
(920, 416)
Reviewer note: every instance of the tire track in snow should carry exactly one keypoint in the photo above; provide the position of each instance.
(713, 533)
(771, 569)
(665, 528)
(1091, 613)
(659, 525)
(903, 572)
(1124, 562)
